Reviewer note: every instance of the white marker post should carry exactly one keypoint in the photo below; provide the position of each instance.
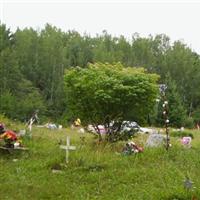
(30, 124)
(67, 148)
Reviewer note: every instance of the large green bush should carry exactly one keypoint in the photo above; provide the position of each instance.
(102, 93)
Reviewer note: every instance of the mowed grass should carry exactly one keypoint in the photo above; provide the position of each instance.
(98, 171)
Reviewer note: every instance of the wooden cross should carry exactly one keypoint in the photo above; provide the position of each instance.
(67, 148)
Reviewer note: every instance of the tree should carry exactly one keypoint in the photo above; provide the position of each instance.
(78, 49)
(37, 59)
(9, 69)
(102, 93)
(26, 47)
(6, 37)
(18, 96)
(176, 110)
(51, 60)
(183, 66)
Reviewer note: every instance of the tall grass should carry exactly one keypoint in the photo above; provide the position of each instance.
(97, 171)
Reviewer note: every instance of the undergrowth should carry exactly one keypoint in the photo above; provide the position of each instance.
(98, 170)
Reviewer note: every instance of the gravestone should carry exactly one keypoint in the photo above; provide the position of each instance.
(67, 148)
(155, 140)
(186, 141)
(188, 184)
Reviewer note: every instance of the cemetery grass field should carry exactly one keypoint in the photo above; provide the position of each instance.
(98, 171)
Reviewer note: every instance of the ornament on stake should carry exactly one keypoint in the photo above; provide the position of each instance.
(162, 89)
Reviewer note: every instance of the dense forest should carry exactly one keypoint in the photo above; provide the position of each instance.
(33, 64)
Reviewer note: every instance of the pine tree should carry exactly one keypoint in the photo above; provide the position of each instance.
(177, 111)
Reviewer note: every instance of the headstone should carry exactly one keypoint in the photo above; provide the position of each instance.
(186, 141)
(67, 148)
(188, 184)
(51, 126)
(155, 140)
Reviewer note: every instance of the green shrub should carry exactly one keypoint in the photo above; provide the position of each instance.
(102, 93)
(123, 136)
(181, 134)
(189, 122)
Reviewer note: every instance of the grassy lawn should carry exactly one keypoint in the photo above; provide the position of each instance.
(97, 171)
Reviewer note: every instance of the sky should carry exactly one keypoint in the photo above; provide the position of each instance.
(179, 19)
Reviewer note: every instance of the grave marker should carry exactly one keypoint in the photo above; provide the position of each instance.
(155, 140)
(186, 141)
(67, 148)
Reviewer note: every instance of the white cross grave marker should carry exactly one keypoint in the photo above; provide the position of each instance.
(67, 148)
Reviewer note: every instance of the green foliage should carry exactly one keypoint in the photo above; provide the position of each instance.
(9, 71)
(5, 120)
(42, 56)
(16, 92)
(196, 115)
(78, 49)
(124, 136)
(177, 112)
(27, 105)
(21, 107)
(26, 47)
(103, 93)
(183, 66)
(189, 122)
(181, 134)
(5, 37)
(7, 102)
(19, 98)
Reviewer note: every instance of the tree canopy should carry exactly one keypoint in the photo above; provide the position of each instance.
(102, 93)
(38, 59)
